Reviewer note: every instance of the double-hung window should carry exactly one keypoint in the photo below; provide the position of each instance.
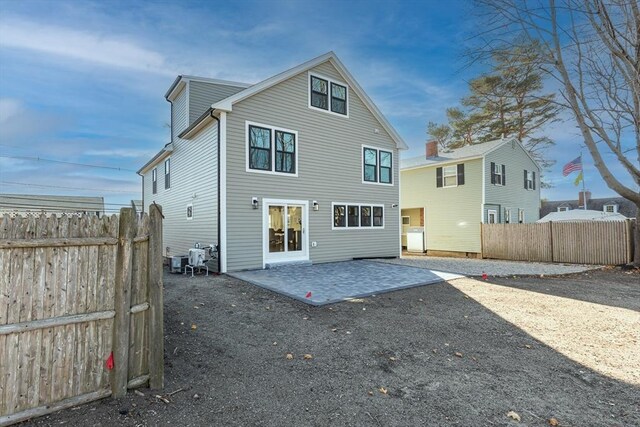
(167, 173)
(271, 149)
(377, 166)
(328, 95)
(529, 180)
(498, 174)
(357, 215)
(154, 180)
(450, 176)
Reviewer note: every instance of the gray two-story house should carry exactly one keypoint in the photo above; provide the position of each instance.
(301, 167)
(448, 195)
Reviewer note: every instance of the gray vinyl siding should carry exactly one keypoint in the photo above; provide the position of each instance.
(194, 177)
(179, 114)
(452, 214)
(203, 94)
(513, 195)
(329, 170)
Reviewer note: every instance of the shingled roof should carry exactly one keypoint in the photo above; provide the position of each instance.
(625, 207)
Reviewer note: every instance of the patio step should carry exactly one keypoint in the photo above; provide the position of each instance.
(272, 265)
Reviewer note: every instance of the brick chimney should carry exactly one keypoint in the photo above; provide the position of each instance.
(432, 149)
(583, 197)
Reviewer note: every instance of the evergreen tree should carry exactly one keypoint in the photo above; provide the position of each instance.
(506, 103)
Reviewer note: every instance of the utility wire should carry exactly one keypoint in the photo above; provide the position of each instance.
(65, 188)
(24, 198)
(41, 159)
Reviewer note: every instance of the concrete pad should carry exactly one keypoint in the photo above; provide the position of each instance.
(328, 283)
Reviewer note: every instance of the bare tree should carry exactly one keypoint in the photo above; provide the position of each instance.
(592, 49)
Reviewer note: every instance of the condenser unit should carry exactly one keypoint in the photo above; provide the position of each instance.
(196, 257)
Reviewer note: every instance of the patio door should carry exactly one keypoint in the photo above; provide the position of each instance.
(285, 230)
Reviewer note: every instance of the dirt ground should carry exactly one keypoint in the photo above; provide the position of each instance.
(431, 355)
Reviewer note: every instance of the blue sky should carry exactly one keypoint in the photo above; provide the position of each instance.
(84, 81)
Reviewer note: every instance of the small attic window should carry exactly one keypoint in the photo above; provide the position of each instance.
(611, 208)
(328, 95)
(563, 208)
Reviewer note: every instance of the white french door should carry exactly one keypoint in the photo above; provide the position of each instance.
(285, 234)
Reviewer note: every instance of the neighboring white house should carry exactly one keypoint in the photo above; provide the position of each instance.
(37, 204)
(582, 215)
(301, 167)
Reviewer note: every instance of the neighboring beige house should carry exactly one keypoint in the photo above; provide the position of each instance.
(36, 204)
(448, 195)
(301, 167)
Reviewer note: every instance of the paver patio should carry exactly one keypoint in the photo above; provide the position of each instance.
(328, 283)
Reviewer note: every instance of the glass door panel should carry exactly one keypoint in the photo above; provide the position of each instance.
(294, 228)
(277, 227)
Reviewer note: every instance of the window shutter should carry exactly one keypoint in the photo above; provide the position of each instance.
(493, 175)
(534, 179)
(438, 177)
(504, 175)
(461, 174)
(525, 179)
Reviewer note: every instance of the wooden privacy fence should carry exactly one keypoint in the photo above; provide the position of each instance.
(586, 242)
(80, 310)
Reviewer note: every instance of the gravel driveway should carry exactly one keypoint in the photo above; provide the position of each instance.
(440, 355)
(496, 268)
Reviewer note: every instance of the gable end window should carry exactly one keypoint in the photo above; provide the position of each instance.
(356, 215)
(154, 180)
(328, 95)
(529, 180)
(377, 166)
(498, 174)
(271, 150)
(450, 176)
(167, 173)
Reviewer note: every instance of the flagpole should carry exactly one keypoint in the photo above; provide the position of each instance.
(584, 192)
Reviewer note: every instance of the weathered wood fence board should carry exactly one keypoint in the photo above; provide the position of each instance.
(58, 305)
(594, 242)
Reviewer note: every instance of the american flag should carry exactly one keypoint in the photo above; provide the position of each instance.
(573, 165)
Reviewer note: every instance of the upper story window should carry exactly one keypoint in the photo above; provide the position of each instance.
(167, 173)
(377, 166)
(529, 180)
(563, 208)
(610, 208)
(355, 215)
(328, 95)
(154, 180)
(450, 176)
(271, 149)
(498, 174)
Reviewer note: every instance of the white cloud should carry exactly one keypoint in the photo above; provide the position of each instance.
(9, 108)
(82, 45)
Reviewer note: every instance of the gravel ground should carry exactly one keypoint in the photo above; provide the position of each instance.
(429, 355)
(495, 268)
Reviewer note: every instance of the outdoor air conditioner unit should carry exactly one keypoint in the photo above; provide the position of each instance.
(196, 257)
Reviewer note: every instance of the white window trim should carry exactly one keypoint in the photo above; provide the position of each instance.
(273, 149)
(496, 174)
(614, 206)
(455, 167)
(167, 161)
(189, 218)
(529, 180)
(495, 214)
(359, 205)
(377, 165)
(563, 208)
(329, 80)
(154, 180)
